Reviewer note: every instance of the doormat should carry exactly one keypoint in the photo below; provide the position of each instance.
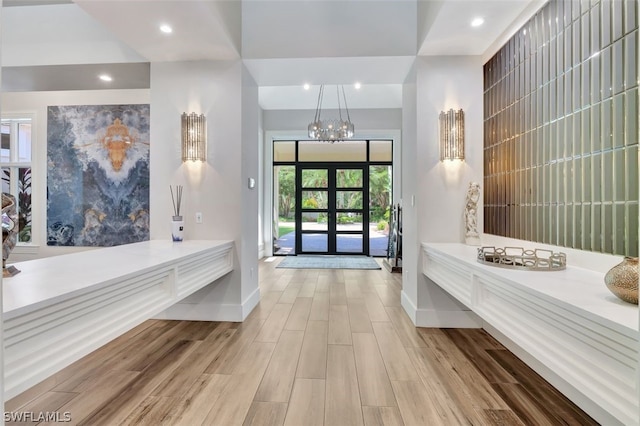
(329, 262)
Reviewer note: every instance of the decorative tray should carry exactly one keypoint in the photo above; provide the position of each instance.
(519, 258)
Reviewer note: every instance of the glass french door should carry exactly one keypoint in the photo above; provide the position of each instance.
(332, 209)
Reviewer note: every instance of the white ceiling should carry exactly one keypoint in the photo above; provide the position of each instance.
(59, 34)
(281, 81)
(283, 43)
(201, 29)
(451, 32)
(325, 29)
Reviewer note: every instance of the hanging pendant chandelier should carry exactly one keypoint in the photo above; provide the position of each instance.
(334, 130)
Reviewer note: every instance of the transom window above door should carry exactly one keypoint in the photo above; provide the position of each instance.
(346, 151)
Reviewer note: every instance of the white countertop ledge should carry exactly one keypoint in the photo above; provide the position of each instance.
(579, 290)
(51, 280)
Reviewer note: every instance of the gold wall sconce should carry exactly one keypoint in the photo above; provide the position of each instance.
(194, 139)
(452, 135)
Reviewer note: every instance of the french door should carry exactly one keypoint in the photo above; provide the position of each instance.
(332, 208)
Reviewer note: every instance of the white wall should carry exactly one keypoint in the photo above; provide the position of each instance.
(448, 82)
(409, 295)
(260, 186)
(216, 188)
(363, 119)
(442, 83)
(250, 170)
(36, 103)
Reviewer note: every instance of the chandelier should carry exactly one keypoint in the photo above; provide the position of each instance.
(334, 130)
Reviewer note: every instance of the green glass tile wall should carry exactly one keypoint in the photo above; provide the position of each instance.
(561, 129)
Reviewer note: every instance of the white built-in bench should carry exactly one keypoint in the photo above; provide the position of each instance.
(566, 325)
(59, 309)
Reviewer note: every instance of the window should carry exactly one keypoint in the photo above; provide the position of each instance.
(15, 159)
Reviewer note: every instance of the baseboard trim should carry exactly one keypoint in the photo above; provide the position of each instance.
(439, 319)
(408, 306)
(447, 319)
(202, 312)
(250, 303)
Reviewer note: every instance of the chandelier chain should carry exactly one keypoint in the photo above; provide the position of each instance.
(339, 107)
(346, 107)
(319, 104)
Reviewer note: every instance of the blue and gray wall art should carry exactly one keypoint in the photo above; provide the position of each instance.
(97, 175)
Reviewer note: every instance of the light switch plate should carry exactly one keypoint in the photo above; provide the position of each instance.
(252, 183)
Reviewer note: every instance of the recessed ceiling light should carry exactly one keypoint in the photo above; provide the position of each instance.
(357, 86)
(306, 86)
(477, 22)
(105, 77)
(166, 29)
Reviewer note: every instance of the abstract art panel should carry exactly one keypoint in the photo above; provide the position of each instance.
(97, 175)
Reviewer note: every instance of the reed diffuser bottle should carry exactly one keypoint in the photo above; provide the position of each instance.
(177, 224)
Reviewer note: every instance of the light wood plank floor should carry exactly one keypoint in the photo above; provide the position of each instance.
(324, 347)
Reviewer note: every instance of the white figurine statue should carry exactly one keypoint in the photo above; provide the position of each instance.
(471, 235)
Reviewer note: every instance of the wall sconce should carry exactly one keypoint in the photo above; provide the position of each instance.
(452, 135)
(194, 140)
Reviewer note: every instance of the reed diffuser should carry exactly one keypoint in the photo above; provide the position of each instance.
(177, 202)
(177, 224)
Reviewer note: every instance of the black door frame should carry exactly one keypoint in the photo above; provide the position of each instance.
(368, 163)
(331, 210)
